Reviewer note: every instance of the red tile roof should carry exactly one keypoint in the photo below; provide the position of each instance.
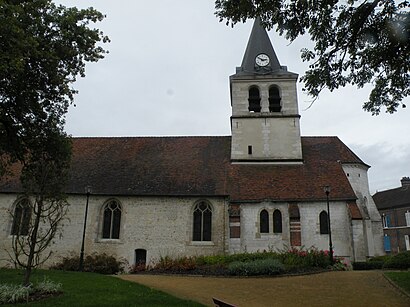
(200, 166)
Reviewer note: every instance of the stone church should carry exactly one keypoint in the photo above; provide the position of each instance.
(262, 188)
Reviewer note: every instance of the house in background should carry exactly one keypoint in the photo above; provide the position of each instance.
(394, 206)
(260, 188)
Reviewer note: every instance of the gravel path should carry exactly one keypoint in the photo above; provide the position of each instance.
(352, 288)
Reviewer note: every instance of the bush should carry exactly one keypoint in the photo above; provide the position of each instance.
(14, 293)
(367, 265)
(97, 263)
(399, 261)
(177, 265)
(11, 294)
(383, 258)
(268, 266)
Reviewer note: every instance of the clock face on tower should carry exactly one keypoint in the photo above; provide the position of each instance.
(262, 60)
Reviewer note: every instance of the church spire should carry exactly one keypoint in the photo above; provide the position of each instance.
(259, 51)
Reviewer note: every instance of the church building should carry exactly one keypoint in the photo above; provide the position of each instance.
(262, 188)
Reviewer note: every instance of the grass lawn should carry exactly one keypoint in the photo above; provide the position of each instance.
(402, 279)
(90, 289)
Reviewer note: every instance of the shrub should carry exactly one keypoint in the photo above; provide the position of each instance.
(268, 266)
(178, 265)
(14, 293)
(367, 265)
(383, 258)
(11, 294)
(399, 261)
(97, 263)
(48, 286)
(300, 258)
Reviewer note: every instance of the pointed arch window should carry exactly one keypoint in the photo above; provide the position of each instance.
(112, 220)
(277, 221)
(264, 222)
(254, 99)
(21, 218)
(324, 223)
(274, 99)
(202, 222)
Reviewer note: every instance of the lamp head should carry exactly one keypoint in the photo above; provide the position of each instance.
(326, 189)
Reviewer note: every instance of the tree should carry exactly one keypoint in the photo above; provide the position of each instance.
(355, 42)
(44, 174)
(43, 48)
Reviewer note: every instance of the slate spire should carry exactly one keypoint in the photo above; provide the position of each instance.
(258, 43)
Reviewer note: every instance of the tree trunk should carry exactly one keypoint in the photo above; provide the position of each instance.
(33, 242)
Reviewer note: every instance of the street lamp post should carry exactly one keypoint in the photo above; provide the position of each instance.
(81, 265)
(327, 191)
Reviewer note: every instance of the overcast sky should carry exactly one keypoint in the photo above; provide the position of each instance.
(168, 71)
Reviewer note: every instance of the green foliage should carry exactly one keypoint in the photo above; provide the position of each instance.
(300, 258)
(44, 48)
(267, 266)
(367, 265)
(293, 260)
(402, 279)
(48, 286)
(383, 258)
(12, 293)
(97, 263)
(355, 42)
(399, 261)
(178, 264)
(90, 289)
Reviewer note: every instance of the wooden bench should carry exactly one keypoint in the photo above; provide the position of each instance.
(219, 303)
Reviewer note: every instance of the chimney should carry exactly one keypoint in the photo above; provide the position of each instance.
(405, 182)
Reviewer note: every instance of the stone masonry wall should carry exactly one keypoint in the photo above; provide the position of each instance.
(160, 225)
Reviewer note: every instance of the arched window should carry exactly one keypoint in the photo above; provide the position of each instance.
(202, 222)
(324, 223)
(277, 221)
(254, 99)
(274, 99)
(111, 220)
(21, 218)
(264, 222)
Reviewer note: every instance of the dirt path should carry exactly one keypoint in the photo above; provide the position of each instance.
(352, 288)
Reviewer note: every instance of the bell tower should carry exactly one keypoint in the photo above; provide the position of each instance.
(265, 119)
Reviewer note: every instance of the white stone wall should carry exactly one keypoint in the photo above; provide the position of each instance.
(270, 138)
(240, 93)
(161, 225)
(271, 135)
(342, 238)
(373, 229)
(251, 238)
(339, 223)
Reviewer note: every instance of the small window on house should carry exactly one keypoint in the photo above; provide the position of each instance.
(264, 222)
(386, 220)
(111, 220)
(274, 99)
(21, 218)
(254, 100)
(202, 222)
(249, 149)
(277, 221)
(407, 215)
(324, 223)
